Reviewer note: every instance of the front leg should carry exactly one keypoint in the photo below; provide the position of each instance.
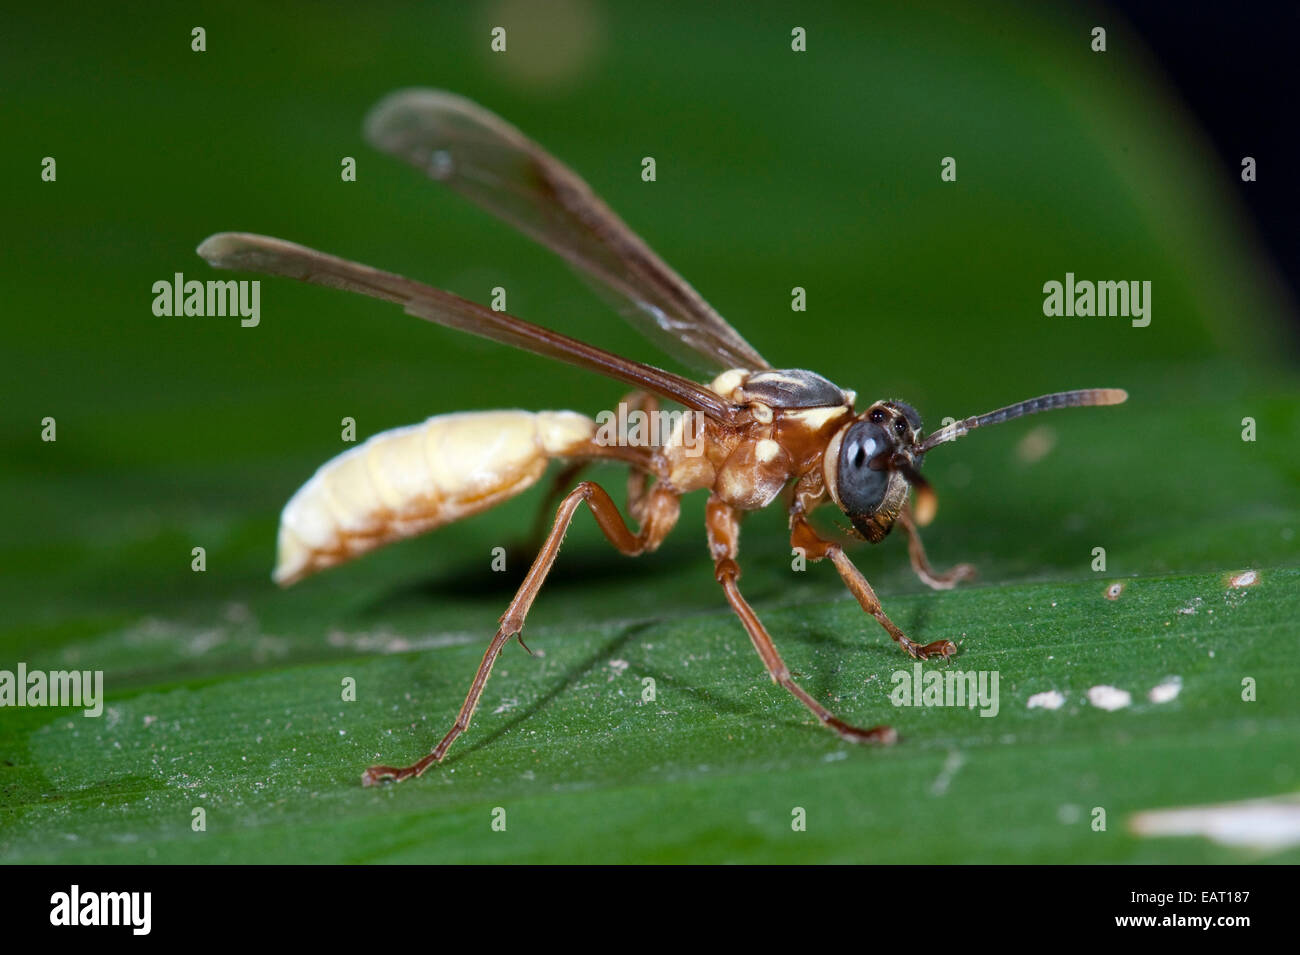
(815, 547)
(935, 579)
(724, 537)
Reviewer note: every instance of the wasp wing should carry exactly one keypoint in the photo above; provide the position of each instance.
(485, 159)
(247, 252)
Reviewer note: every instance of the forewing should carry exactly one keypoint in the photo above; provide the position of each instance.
(244, 251)
(484, 158)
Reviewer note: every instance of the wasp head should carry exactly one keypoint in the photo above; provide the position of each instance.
(869, 464)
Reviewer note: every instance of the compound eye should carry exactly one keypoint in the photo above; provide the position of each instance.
(900, 427)
(862, 489)
(876, 416)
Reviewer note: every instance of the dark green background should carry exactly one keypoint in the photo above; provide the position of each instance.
(775, 169)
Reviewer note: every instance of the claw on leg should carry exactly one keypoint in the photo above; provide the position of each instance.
(940, 648)
(877, 735)
(378, 774)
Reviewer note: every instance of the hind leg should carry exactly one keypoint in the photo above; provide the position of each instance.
(662, 508)
(637, 477)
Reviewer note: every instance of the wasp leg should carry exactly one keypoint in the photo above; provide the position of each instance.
(921, 566)
(637, 478)
(564, 479)
(661, 514)
(802, 536)
(724, 536)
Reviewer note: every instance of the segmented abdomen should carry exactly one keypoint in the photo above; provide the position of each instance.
(410, 480)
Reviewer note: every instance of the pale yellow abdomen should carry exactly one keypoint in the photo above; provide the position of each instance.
(410, 480)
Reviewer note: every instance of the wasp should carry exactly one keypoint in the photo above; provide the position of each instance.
(758, 433)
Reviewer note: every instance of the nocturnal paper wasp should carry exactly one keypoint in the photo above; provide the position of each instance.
(764, 431)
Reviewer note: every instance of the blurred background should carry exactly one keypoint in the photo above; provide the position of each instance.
(775, 169)
(1196, 48)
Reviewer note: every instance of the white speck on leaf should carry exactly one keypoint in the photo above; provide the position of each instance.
(1048, 700)
(1265, 824)
(1109, 698)
(1166, 691)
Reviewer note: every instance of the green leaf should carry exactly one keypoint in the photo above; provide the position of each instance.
(713, 768)
(818, 170)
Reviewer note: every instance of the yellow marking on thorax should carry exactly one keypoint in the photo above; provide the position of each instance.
(727, 383)
(814, 419)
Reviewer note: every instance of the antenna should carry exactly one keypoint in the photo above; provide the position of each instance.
(1061, 399)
